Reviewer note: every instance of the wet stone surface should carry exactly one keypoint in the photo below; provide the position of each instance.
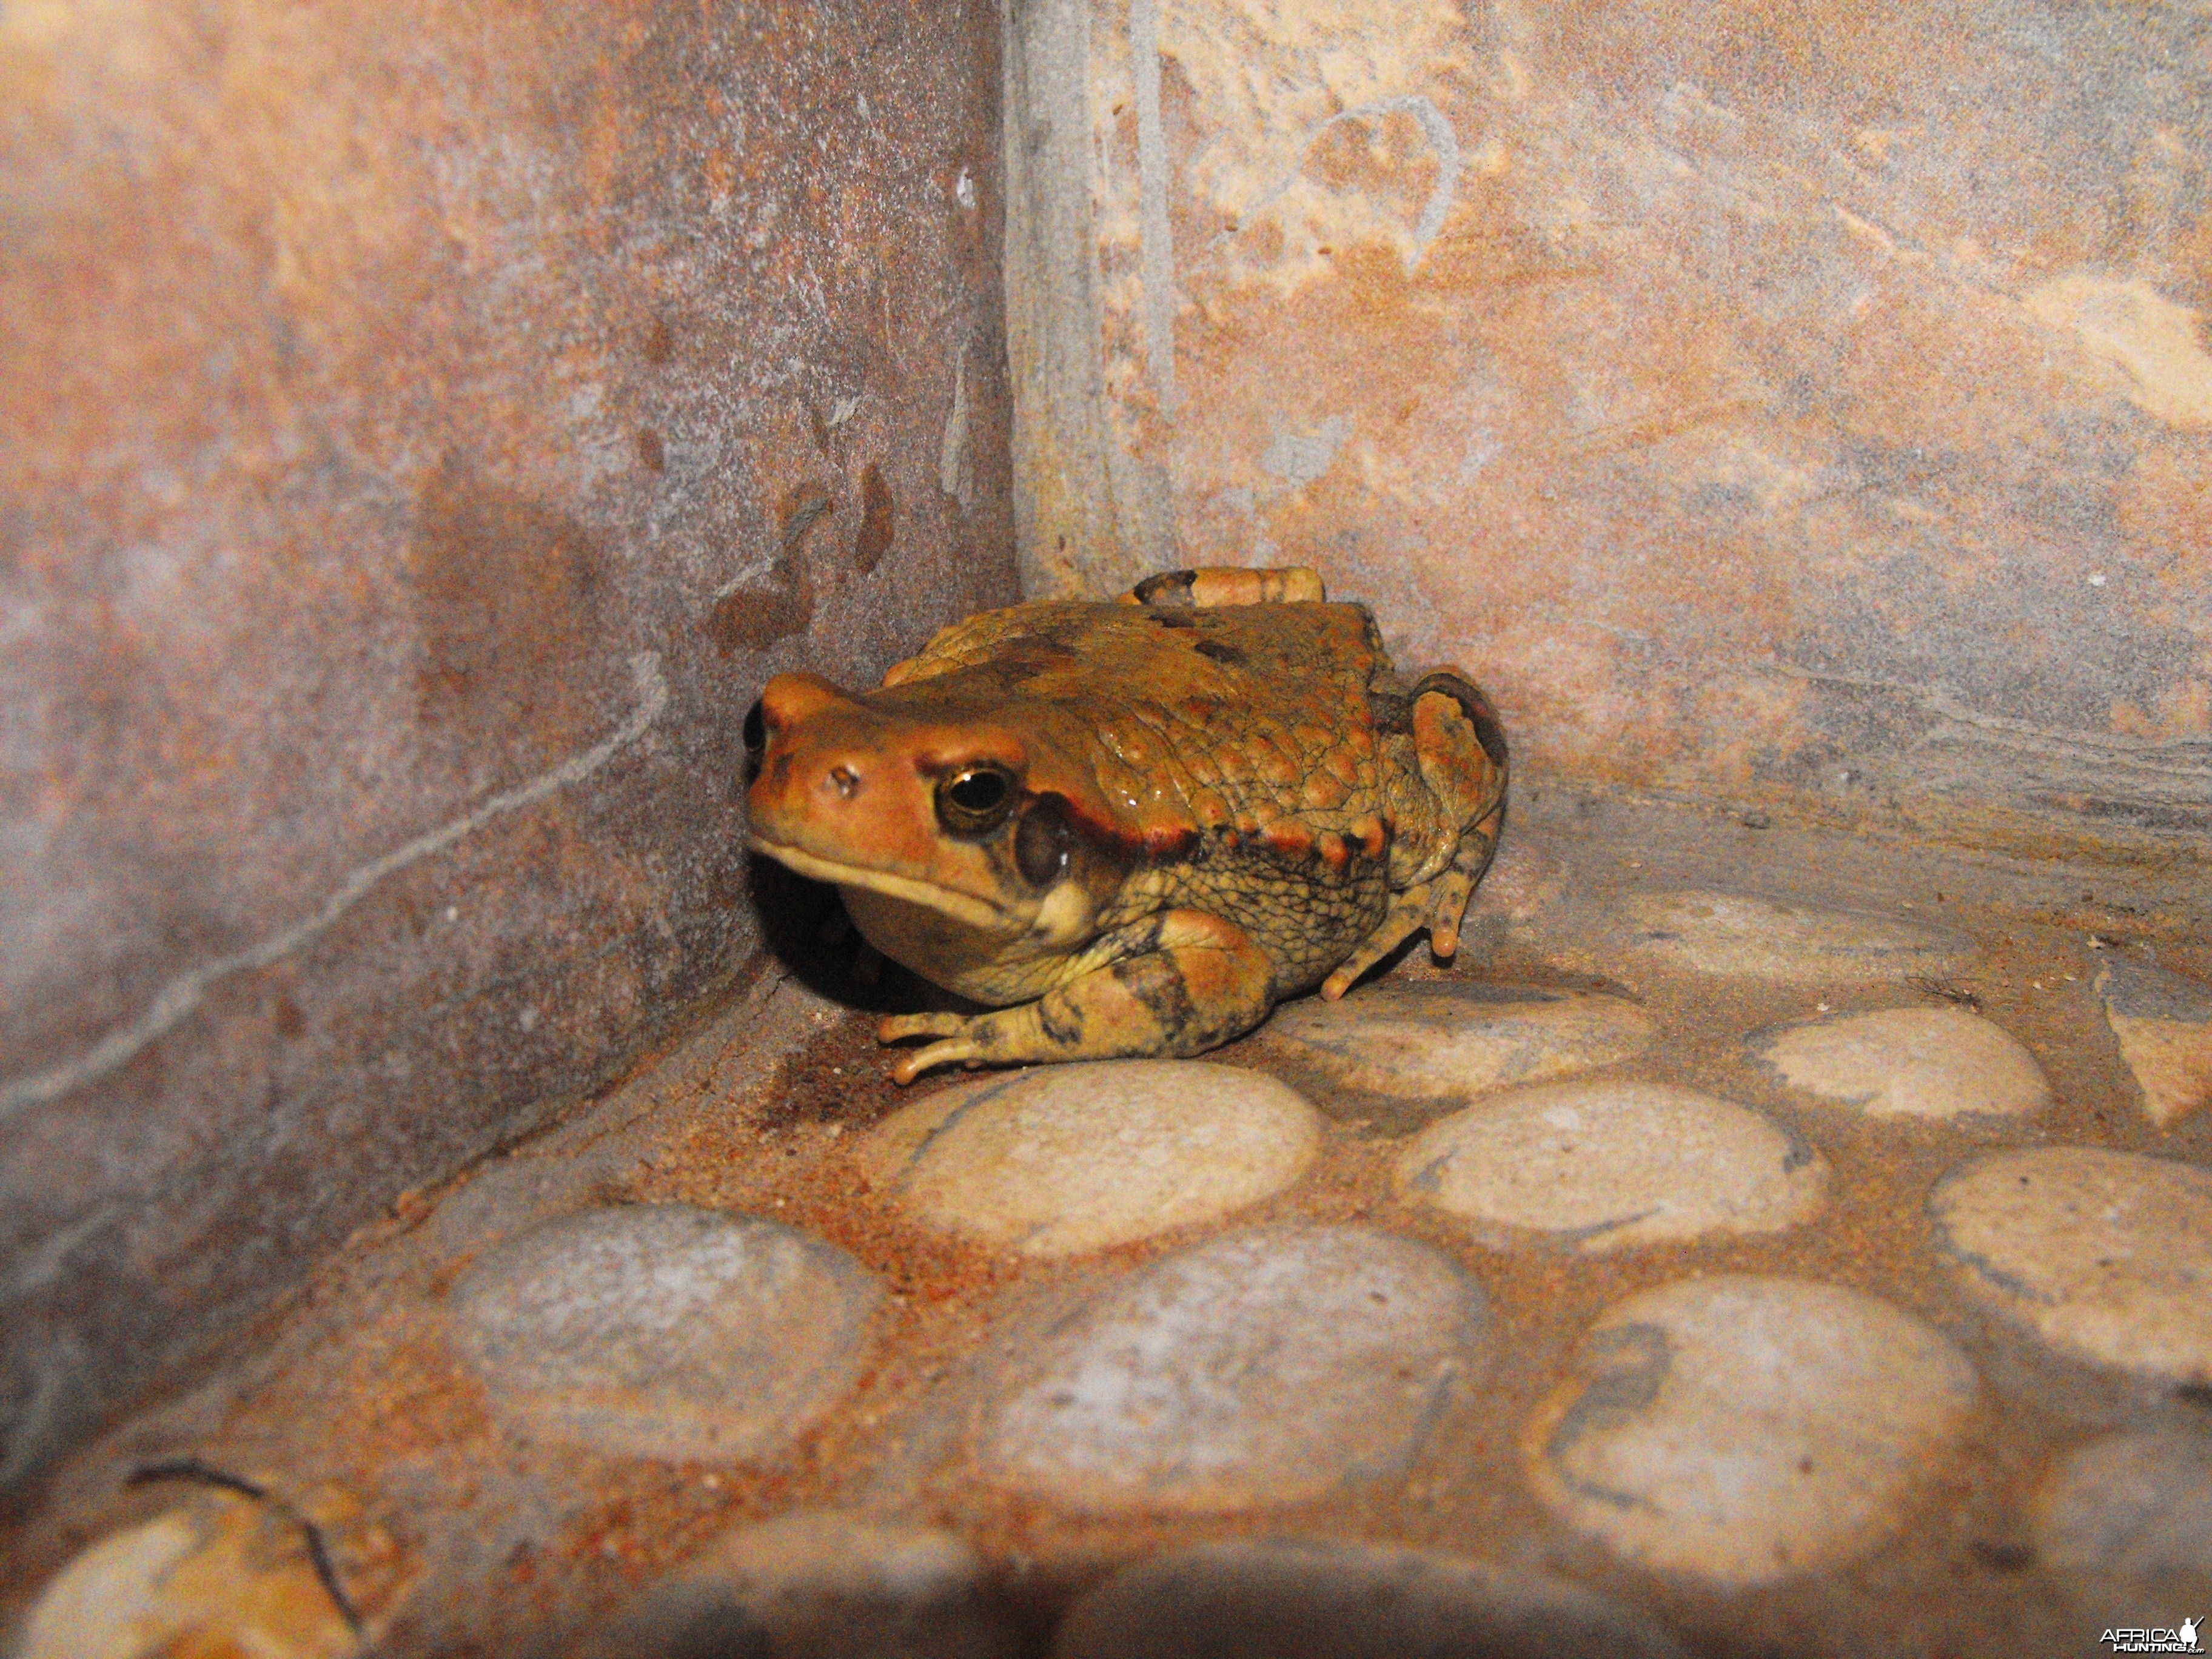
(1068, 1158)
(1447, 1041)
(1345, 1600)
(1608, 1166)
(1268, 1367)
(1744, 1429)
(663, 1330)
(2135, 1506)
(1738, 936)
(2164, 1024)
(821, 1585)
(1907, 1062)
(2106, 1255)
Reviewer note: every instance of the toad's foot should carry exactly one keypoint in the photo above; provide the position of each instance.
(1439, 905)
(1176, 984)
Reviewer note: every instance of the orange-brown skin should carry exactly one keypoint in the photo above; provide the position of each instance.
(1133, 828)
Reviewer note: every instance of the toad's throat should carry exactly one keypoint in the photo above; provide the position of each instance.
(960, 907)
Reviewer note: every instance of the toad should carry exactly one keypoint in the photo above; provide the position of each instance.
(1131, 828)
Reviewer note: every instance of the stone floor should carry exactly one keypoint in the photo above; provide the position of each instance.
(1759, 1243)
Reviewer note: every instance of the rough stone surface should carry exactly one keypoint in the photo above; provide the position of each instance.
(661, 1330)
(1744, 1429)
(225, 1574)
(1907, 1062)
(1613, 1166)
(1069, 1159)
(422, 430)
(1738, 936)
(1803, 404)
(2135, 1506)
(1343, 1601)
(2164, 1024)
(1447, 1040)
(1266, 1367)
(2106, 1255)
(816, 1585)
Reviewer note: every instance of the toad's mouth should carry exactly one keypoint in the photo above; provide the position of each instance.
(945, 900)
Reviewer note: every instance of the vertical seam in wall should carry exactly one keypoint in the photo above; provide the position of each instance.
(1156, 241)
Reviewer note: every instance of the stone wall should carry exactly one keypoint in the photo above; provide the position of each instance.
(422, 428)
(1800, 404)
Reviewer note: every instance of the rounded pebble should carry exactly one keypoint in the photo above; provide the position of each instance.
(2163, 1021)
(1070, 1158)
(1345, 1600)
(1744, 1429)
(1266, 1367)
(1610, 1166)
(2106, 1255)
(661, 1330)
(2134, 1505)
(222, 1574)
(1734, 935)
(816, 1585)
(1439, 1040)
(1907, 1062)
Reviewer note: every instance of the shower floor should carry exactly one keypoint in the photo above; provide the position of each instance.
(1763, 1330)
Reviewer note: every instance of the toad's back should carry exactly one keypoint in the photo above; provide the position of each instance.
(1191, 720)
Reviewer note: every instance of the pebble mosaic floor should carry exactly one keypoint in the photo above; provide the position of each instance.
(1758, 1244)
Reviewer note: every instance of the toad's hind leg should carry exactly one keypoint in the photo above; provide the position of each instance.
(1460, 749)
(1408, 913)
(1176, 984)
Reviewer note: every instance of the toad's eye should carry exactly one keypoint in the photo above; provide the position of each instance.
(975, 800)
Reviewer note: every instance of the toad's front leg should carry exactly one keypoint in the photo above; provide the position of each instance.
(1177, 983)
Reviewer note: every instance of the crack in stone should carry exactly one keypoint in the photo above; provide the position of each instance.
(183, 994)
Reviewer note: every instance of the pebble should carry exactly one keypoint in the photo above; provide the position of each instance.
(2134, 1506)
(1744, 1429)
(1736, 936)
(2106, 1255)
(1907, 1062)
(1326, 1600)
(1610, 1166)
(221, 1574)
(1070, 1158)
(1271, 1366)
(662, 1330)
(1442, 1040)
(819, 1584)
(2164, 1024)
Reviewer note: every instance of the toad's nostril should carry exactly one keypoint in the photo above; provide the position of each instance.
(847, 780)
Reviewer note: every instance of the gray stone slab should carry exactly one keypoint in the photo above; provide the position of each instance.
(1268, 1367)
(1446, 1040)
(1070, 1158)
(662, 1330)
(1742, 1429)
(1612, 1165)
(2106, 1256)
(1906, 1062)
